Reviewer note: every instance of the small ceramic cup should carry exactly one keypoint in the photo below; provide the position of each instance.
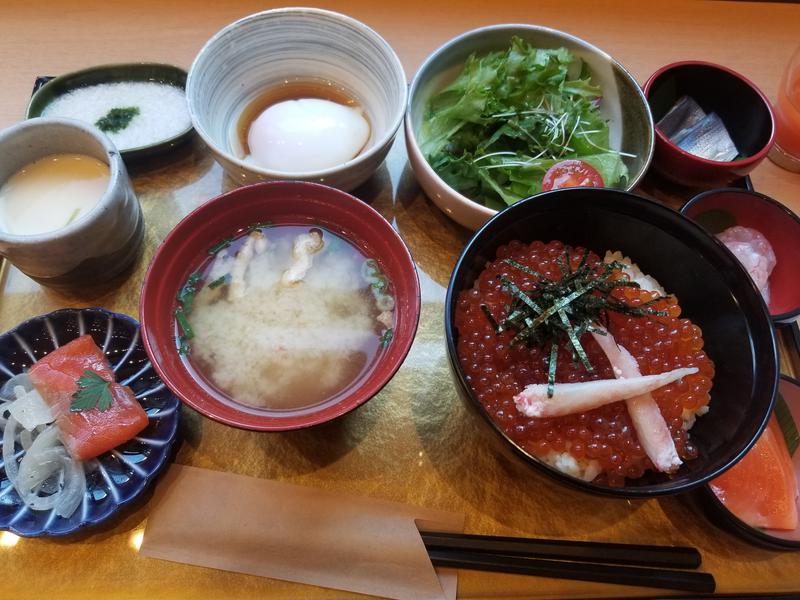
(98, 246)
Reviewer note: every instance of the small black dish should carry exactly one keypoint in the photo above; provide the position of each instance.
(720, 515)
(714, 291)
(47, 88)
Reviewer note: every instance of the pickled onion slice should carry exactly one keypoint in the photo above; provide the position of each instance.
(571, 398)
(47, 477)
(651, 428)
(29, 409)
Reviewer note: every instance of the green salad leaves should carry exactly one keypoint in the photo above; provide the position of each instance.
(511, 115)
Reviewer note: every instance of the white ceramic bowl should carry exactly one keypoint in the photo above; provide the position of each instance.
(624, 106)
(265, 50)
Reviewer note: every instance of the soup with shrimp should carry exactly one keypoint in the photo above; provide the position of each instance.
(284, 317)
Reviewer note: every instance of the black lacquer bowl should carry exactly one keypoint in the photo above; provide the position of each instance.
(115, 478)
(714, 292)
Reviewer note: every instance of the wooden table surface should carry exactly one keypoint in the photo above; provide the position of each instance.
(414, 442)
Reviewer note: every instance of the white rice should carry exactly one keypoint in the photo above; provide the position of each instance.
(163, 112)
(634, 273)
(581, 468)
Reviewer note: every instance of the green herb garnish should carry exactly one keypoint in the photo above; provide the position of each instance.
(217, 282)
(183, 323)
(511, 115)
(386, 338)
(259, 226)
(188, 292)
(220, 245)
(185, 297)
(72, 216)
(93, 392)
(117, 119)
(561, 311)
(787, 425)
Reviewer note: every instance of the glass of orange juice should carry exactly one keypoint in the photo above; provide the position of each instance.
(786, 151)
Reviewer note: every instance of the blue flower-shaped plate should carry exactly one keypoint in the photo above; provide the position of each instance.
(115, 478)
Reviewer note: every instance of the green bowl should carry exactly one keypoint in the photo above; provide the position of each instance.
(126, 72)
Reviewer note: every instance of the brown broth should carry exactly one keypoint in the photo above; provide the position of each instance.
(292, 90)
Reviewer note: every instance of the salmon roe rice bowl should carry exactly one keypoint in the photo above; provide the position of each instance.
(503, 356)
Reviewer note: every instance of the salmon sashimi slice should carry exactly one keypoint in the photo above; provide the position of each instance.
(91, 432)
(761, 489)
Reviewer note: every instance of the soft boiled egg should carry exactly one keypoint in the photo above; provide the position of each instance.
(309, 134)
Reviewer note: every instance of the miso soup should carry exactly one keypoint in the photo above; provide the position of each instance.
(285, 317)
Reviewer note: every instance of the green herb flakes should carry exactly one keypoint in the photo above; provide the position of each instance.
(117, 119)
(188, 292)
(93, 392)
(259, 226)
(220, 245)
(218, 282)
(386, 338)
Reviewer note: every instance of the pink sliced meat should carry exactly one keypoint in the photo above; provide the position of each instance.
(754, 252)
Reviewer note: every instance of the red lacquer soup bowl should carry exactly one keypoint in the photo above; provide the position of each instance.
(186, 249)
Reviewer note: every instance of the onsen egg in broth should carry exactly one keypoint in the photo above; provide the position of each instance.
(285, 317)
(302, 127)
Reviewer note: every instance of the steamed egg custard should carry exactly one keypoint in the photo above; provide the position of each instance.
(285, 317)
(302, 127)
(52, 192)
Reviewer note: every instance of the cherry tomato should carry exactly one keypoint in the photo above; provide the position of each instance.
(571, 173)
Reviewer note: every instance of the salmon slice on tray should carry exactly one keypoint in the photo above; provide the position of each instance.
(91, 431)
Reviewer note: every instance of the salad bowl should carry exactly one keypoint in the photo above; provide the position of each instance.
(620, 103)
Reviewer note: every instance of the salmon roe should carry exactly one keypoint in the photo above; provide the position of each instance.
(496, 370)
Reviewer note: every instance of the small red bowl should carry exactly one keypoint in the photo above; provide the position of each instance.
(282, 203)
(743, 108)
(717, 210)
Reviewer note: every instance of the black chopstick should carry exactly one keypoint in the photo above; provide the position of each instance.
(676, 557)
(689, 581)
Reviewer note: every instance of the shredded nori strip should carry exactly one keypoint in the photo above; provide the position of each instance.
(116, 119)
(495, 325)
(563, 310)
(551, 370)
